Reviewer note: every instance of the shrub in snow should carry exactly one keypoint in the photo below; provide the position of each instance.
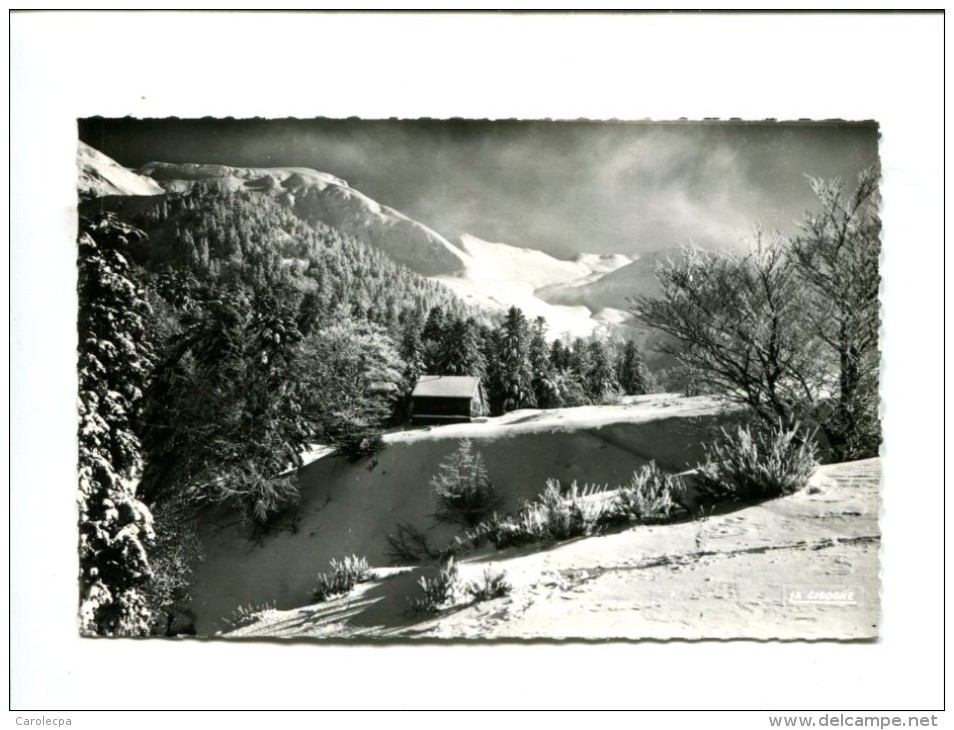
(250, 614)
(554, 515)
(757, 465)
(439, 591)
(504, 532)
(652, 496)
(462, 490)
(342, 579)
(489, 586)
(559, 516)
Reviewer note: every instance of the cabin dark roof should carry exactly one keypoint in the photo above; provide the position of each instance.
(446, 386)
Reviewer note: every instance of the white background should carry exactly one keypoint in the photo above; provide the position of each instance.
(64, 66)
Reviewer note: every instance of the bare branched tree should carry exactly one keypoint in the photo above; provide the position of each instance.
(789, 329)
(837, 255)
(740, 328)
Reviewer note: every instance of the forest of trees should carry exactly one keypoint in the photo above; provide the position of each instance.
(518, 364)
(221, 336)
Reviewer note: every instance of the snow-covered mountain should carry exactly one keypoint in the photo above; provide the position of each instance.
(614, 289)
(498, 276)
(99, 175)
(319, 196)
(576, 296)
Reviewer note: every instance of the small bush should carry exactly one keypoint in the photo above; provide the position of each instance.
(463, 492)
(651, 497)
(559, 516)
(246, 615)
(440, 591)
(759, 465)
(344, 576)
(504, 532)
(408, 544)
(552, 516)
(490, 585)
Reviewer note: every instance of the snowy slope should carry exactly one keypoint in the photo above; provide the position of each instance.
(498, 276)
(99, 175)
(350, 507)
(614, 289)
(534, 269)
(732, 575)
(718, 577)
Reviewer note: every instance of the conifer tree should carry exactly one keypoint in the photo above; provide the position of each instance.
(190, 251)
(569, 389)
(463, 492)
(434, 325)
(600, 379)
(514, 357)
(411, 349)
(544, 387)
(631, 371)
(559, 356)
(432, 336)
(224, 406)
(489, 339)
(458, 352)
(581, 362)
(115, 526)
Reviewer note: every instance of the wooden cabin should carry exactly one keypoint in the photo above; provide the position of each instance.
(448, 399)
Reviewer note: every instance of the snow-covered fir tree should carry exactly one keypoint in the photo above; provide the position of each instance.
(458, 352)
(514, 356)
(631, 371)
(545, 388)
(411, 350)
(601, 376)
(431, 336)
(114, 525)
(559, 356)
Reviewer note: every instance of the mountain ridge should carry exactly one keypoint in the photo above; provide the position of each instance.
(320, 196)
(492, 275)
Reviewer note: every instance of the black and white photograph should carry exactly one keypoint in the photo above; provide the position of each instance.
(477, 360)
(466, 379)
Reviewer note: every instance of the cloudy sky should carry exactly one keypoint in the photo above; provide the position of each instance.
(563, 187)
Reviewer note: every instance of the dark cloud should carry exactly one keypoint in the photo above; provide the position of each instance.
(562, 187)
